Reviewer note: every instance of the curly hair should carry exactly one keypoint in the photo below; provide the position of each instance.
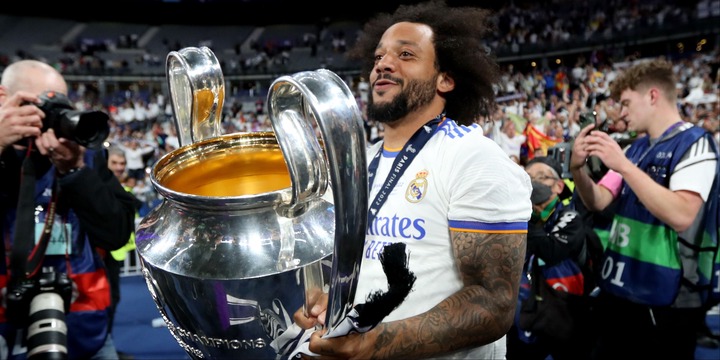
(458, 34)
(656, 72)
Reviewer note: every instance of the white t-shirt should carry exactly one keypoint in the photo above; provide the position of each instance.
(511, 145)
(460, 180)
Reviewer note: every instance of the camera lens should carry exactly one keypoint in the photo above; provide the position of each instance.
(47, 332)
(87, 128)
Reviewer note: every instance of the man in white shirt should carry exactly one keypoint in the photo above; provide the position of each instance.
(510, 140)
(441, 188)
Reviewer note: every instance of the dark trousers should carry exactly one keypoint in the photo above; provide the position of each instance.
(627, 330)
(113, 274)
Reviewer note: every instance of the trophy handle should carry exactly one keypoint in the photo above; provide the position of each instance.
(195, 77)
(322, 96)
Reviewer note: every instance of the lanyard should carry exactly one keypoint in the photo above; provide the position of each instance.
(665, 134)
(400, 164)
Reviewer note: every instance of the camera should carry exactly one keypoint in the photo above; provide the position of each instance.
(87, 128)
(39, 304)
(562, 152)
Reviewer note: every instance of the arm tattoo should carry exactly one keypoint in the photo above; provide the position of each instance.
(478, 314)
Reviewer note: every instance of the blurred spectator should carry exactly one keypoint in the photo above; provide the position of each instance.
(134, 154)
(171, 141)
(510, 140)
(619, 130)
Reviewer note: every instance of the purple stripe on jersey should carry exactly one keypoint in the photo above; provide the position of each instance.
(389, 153)
(488, 227)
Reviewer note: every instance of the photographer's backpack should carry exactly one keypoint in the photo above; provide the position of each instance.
(707, 243)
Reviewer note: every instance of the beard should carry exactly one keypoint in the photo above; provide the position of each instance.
(417, 94)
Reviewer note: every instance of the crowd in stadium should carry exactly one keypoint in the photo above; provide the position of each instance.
(549, 103)
(540, 105)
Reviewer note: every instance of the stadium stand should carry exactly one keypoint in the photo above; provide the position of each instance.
(119, 61)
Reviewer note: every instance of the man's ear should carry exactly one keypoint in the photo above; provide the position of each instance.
(445, 83)
(654, 95)
(559, 185)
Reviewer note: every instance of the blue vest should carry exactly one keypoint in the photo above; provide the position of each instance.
(642, 260)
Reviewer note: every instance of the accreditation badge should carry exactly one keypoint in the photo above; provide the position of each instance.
(59, 243)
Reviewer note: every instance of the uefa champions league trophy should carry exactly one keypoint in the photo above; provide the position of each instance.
(246, 229)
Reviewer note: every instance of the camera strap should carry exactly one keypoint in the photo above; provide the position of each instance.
(26, 256)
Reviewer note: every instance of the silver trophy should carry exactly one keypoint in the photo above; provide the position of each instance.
(245, 234)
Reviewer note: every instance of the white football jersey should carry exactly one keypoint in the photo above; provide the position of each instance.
(461, 181)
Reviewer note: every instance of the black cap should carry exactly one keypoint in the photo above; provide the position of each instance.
(549, 161)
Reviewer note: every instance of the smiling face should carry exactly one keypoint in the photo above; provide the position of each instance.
(117, 165)
(405, 78)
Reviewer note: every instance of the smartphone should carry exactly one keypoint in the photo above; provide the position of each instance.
(588, 118)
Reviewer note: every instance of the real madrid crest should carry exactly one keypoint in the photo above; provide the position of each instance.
(417, 188)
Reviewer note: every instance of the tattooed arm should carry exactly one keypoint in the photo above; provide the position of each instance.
(480, 313)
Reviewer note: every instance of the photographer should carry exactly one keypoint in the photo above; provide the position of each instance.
(650, 296)
(560, 269)
(77, 204)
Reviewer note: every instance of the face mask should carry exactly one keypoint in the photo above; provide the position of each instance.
(540, 193)
(544, 215)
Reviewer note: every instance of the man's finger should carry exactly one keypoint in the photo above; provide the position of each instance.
(586, 130)
(20, 98)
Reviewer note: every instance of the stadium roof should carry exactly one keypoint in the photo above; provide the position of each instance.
(218, 12)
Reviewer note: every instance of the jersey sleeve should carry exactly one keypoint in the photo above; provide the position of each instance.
(488, 192)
